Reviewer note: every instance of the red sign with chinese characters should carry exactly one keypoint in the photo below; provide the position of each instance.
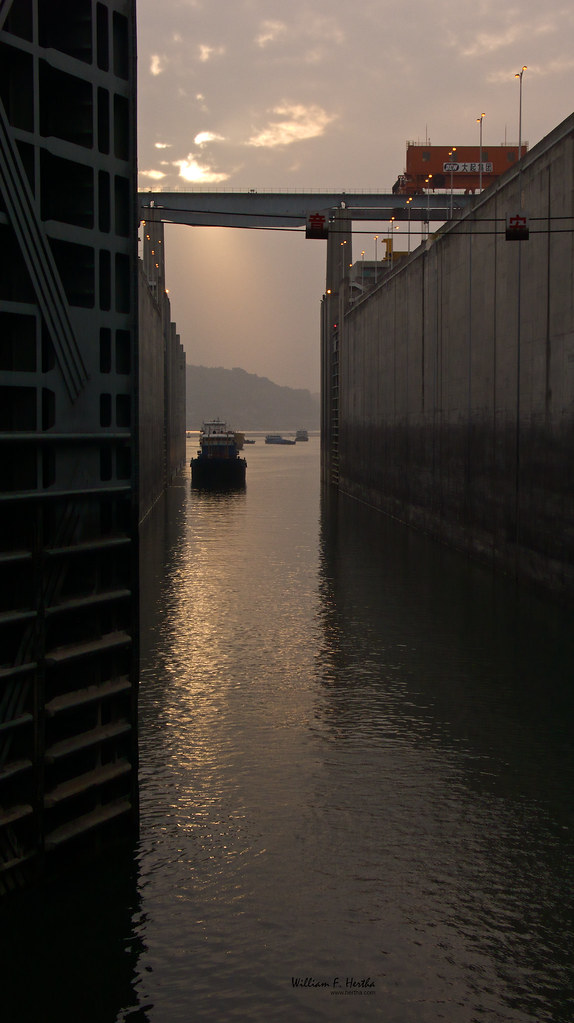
(517, 227)
(317, 225)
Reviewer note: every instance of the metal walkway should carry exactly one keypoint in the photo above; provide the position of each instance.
(272, 210)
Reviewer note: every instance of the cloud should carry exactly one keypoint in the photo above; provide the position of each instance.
(162, 145)
(314, 56)
(558, 66)
(270, 31)
(555, 67)
(324, 33)
(511, 29)
(489, 42)
(326, 30)
(207, 136)
(207, 52)
(155, 175)
(299, 122)
(191, 170)
(157, 64)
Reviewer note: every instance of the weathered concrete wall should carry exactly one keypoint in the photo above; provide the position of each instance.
(151, 397)
(161, 376)
(456, 379)
(174, 401)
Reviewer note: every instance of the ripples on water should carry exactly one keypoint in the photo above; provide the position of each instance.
(356, 761)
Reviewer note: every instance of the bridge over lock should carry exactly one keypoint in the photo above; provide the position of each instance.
(318, 214)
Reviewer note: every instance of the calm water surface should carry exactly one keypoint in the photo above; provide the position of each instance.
(356, 782)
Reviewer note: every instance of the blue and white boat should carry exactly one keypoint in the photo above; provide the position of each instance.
(217, 465)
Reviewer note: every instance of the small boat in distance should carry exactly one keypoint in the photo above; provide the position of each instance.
(276, 438)
(301, 435)
(217, 465)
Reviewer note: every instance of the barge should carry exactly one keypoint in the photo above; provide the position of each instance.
(217, 465)
(276, 438)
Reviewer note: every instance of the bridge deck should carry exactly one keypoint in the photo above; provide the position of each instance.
(290, 210)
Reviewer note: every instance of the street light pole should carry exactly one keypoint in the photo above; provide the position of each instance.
(479, 120)
(427, 182)
(451, 158)
(519, 75)
(343, 260)
(376, 265)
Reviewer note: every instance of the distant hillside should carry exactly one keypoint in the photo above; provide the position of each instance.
(246, 401)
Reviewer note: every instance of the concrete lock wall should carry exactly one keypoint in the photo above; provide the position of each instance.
(151, 397)
(161, 377)
(175, 401)
(456, 379)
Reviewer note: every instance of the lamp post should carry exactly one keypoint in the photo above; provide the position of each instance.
(409, 201)
(479, 121)
(343, 260)
(363, 270)
(427, 182)
(376, 266)
(519, 75)
(451, 158)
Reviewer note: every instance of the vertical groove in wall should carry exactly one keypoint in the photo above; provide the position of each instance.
(547, 391)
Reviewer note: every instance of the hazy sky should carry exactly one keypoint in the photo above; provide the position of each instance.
(298, 95)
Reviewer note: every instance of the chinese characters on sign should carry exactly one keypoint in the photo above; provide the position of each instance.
(517, 227)
(317, 225)
(468, 168)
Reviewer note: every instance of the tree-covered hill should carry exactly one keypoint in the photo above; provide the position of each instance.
(246, 401)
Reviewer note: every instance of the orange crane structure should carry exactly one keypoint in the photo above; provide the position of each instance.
(429, 168)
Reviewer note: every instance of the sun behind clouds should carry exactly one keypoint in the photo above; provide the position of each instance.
(191, 170)
(298, 122)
